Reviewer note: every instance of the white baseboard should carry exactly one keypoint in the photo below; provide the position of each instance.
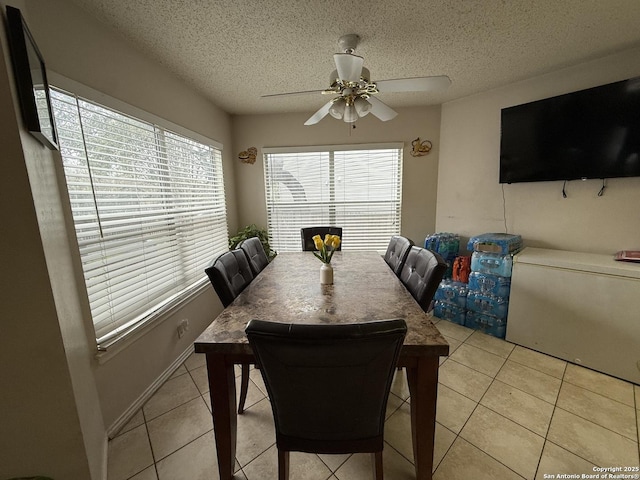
(128, 414)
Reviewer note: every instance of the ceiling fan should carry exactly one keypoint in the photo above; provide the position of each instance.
(355, 92)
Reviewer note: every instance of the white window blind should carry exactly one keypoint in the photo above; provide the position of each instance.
(148, 207)
(357, 188)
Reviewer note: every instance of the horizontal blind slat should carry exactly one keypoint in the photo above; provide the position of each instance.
(148, 207)
(356, 189)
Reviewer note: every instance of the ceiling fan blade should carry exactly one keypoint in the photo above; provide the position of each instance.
(349, 66)
(381, 109)
(291, 94)
(320, 114)
(417, 84)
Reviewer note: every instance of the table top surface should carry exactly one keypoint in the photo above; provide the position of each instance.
(288, 290)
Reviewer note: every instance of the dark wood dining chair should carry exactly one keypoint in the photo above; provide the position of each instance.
(421, 274)
(255, 253)
(328, 384)
(397, 252)
(307, 234)
(230, 274)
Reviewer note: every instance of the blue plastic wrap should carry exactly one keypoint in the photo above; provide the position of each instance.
(446, 245)
(501, 243)
(489, 284)
(449, 311)
(486, 323)
(487, 304)
(452, 292)
(492, 263)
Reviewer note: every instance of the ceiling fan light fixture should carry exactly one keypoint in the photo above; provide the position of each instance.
(337, 109)
(349, 66)
(356, 94)
(350, 114)
(362, 106)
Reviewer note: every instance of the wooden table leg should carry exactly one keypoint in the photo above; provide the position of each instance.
(222, 390)
(423, 387)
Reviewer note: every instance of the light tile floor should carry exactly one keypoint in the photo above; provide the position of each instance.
(504, 412)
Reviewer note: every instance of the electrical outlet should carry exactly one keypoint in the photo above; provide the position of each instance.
(183, 326)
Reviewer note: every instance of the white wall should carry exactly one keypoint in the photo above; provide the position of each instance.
(47, 393)
(419, 173)
(470, 200)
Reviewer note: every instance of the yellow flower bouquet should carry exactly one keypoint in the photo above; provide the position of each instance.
(326, 247)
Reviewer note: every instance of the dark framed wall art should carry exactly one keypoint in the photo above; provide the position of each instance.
(31, 80)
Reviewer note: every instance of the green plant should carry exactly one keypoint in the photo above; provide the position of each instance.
(253, 231)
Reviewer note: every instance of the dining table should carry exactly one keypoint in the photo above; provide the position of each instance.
(288, 290)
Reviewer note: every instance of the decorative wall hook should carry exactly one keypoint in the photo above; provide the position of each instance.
(420, 148)
(249, 155)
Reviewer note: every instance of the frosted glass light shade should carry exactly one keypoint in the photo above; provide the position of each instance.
(337, 110)
(350, 114)
(362, 106)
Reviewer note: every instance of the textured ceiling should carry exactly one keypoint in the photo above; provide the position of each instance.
(235, 51)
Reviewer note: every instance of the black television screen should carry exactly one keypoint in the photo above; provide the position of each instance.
(593, 133)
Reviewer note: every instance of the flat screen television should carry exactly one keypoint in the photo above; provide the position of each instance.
(592, 133)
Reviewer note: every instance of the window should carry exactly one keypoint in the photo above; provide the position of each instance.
(357, 188)
(149, 212)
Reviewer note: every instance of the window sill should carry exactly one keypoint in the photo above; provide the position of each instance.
(142, 328)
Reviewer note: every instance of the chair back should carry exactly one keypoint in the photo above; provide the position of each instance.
(328, 384)
(230, 274)
(397, 252)
(422, 272)
(308, 233)
(256, 255)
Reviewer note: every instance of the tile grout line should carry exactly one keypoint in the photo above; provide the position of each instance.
(172, 408)
(458, 435)
(529, 393)
(556, 406)
(333, 472)
(176, 406)
(153, 455)
(448, 449)
(484, 349)
(146, 422)
(598, 393)
(265, 450)
(553, 412)
(412, 462)
(595, 423)
(242, 467)
(479, 403)
(476, 446)
(511, 420)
